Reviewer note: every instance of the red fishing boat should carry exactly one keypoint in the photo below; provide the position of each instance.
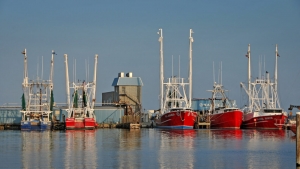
(264, 109)
(81, 108)
(224, 113)
(177, 119)
(226, 118)
(265, 119)
(175, 108)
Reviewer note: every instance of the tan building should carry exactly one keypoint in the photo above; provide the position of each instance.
(127, 93)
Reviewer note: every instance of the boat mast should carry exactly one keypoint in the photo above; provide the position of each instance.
(94, 82)
(275, 78)
(67, 82)
(51, 68)
(249, 74)
(190, 71)
(25, 81)
(161, 71)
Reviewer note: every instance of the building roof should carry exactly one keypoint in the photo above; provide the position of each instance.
(127, 81)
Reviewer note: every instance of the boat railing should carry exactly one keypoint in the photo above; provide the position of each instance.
(175, 80)
(11, 105)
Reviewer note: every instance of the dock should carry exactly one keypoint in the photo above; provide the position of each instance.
(204, 125)
(130, 122)
(129, 126)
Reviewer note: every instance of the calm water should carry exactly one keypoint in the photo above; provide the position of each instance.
(148, 148)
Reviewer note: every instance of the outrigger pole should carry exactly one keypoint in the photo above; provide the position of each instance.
(94, 82)
(161, 71)
(276, 55)
(249, 73)
(25, 81)
(51, 81)
(25, 68)
(67, 82)
(191, 70)
(51, 69)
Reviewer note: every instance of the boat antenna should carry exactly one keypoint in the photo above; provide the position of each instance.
(214, 73)
(221, 73)
(172, 67)
(86, 70)
(75, 71)
(161, 69)
(264, 63)
(179, 66)
(259, 67)
(42, 68)
(37, 70)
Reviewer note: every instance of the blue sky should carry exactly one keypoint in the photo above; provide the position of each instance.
(123, 33)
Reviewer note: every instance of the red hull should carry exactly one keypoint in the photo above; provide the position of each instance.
(293, 128)
(230, 119)
(89, 123)
(177, 120)
(265, 122)
(80, 123)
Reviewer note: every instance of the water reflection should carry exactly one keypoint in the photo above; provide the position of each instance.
(252, 148)
(226, 134)
(179, 133)
(266, 141)
(148, 148)
(80, 150)
(265, 134)
(36, 147)
(176, 149)
(128, 154)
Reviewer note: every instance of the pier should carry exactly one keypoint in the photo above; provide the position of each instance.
(204, 125)
(130, 122)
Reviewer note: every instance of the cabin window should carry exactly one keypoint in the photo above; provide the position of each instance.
(272, 111)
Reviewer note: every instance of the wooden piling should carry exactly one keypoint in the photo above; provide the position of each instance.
(298, 139)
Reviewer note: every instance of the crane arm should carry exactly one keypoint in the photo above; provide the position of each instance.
(294, 106)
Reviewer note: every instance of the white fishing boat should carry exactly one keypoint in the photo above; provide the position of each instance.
(37, 100)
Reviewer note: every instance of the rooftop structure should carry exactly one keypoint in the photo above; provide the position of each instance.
(127, 93)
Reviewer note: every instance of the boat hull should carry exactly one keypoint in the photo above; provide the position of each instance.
(293, 128)
(264, 122)
(35, 125)
(231, 119)
(80, 123)
(177, 120)
(89, 123)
